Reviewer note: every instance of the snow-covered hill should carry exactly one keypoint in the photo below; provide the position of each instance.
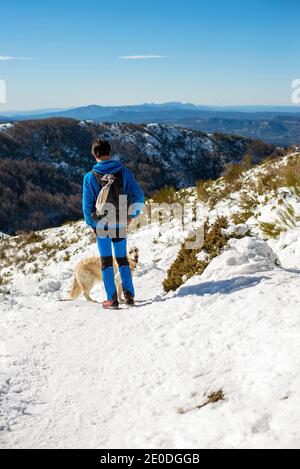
(212, 364)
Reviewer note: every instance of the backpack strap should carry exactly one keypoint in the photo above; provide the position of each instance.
(98, 177)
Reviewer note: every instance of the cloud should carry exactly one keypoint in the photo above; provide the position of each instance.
(8, 57)
(142, 57)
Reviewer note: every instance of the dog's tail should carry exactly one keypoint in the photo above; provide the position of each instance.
(75, 289)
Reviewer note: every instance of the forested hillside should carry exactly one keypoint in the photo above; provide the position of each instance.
(42, 163)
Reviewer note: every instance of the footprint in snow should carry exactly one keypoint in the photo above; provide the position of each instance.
(262, 425)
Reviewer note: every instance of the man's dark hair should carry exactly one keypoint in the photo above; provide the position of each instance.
(101, 148)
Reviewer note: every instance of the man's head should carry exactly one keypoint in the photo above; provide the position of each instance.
(101, 150)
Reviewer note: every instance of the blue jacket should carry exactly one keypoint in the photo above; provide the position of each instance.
(91, 189)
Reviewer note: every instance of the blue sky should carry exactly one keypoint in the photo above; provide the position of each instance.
(69, 53)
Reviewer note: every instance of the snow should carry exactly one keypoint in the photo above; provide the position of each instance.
(5, 127)
(239, 230)
(85, 123)
(62, 165)
(202, 256)
(75, 376)
(288, 248)
(243, 257)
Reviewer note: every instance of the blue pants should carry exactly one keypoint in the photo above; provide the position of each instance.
(120, 250)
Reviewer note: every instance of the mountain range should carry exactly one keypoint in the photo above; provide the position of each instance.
(279, 125)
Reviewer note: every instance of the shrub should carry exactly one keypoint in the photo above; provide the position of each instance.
(241, 217)
(233, 174)
(202, 191)
(169, 195)
(247, 162)
(187, 265)
(248, 203)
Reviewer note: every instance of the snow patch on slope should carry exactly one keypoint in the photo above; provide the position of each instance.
(243, 257)
(5, 127)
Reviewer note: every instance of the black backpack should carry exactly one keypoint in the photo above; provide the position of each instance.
(113, 185)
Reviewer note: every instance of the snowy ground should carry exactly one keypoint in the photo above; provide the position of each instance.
(74, 376)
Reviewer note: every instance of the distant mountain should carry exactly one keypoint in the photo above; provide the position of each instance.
(97, 111)
(280, 130)
(42, 163)
(272, 124)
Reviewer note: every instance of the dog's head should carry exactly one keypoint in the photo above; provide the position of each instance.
(133, 255)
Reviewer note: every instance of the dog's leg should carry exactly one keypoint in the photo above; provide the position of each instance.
(86, 282)
(119, 288)
(88, 298)
(87, 291)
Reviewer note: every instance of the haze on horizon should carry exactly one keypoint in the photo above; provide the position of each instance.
(70, 54)
(226, 108)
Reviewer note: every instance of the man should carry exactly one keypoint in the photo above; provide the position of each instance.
(111, 181)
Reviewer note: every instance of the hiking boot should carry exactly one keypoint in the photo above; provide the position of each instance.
(129, 301)
(110, 305)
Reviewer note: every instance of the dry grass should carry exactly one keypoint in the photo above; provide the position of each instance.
(202, 191)
(24, 251)
(5, 279)
(270, 230)
(287, 219)
(270, 177)
(239, 218)
(213, 398)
